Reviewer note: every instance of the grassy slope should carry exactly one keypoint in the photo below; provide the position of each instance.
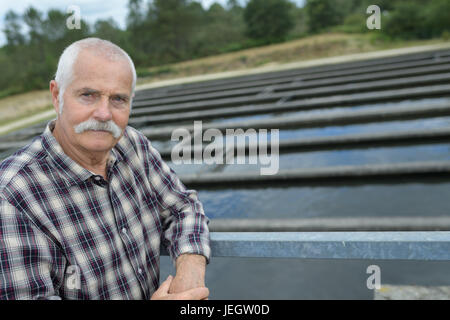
(23, 105)
(310, 48)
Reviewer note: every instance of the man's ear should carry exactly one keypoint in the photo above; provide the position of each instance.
(54, 90)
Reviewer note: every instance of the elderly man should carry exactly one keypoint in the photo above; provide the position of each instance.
(85, 207)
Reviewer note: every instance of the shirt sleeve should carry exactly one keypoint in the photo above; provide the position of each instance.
(184, 220)
(27, 258)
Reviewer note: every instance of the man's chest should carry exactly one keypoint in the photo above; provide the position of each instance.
(109, 233)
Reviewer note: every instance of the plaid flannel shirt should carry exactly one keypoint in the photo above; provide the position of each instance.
(68, 233)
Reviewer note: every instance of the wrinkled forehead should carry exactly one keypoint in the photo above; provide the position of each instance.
(96, 70)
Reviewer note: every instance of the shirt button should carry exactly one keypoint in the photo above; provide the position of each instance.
(97, 178)
(140, 271)
(124, 230)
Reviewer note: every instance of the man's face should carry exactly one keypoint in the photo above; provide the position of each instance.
(100, 91)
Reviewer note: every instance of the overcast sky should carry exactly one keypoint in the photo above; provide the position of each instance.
(91, 10)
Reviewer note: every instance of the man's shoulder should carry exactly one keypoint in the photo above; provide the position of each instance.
(136, 148)
(14, 167)
(135, 136)
(134, 139)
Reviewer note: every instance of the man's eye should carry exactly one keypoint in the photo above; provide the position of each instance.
(119, 100)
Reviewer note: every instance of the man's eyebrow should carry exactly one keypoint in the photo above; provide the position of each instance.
(87, 90)
(90, 90)
(121, 95)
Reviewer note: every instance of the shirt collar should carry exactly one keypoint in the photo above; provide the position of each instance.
(72, 172)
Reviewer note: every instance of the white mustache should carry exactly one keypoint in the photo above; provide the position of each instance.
(92, 124)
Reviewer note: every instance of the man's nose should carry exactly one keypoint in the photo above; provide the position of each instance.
(102, 111)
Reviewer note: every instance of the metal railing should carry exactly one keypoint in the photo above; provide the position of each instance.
(417, 245)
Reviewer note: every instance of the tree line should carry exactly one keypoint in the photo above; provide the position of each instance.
(161, 32)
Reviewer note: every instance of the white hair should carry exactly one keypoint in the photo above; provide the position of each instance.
(105, 48)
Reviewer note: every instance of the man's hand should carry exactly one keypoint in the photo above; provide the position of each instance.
(190, 273)
(162, 293)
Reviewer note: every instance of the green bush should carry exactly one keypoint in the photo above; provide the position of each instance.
(354, 23)
(322, 14)
(445, 35)
(405, 21)
(417, 19)
(268, 20)
(437, 19)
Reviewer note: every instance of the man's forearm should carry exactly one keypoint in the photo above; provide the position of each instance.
(190, 272)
